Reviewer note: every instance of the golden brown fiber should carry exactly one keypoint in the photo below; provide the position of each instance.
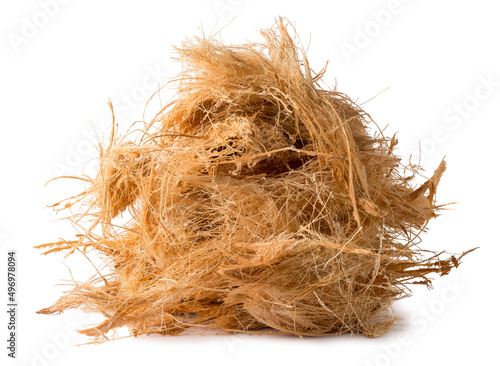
(258, 202)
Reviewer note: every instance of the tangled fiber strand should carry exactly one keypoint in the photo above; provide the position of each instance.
(258, 202)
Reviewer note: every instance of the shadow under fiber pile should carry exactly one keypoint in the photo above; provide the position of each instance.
(259, 202)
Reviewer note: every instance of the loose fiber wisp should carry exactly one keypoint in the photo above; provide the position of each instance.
(258, 202)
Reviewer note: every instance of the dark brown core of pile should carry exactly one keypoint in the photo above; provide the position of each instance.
(258, 202)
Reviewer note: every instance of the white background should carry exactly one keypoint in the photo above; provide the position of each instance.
(440, 61)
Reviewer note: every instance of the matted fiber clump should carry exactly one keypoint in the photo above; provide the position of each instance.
(258, 202)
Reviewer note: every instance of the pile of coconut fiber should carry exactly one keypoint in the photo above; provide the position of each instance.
(258, 202)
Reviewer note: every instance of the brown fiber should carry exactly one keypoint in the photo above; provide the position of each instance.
(258, 202)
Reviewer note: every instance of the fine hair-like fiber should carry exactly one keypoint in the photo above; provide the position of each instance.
(259, 201)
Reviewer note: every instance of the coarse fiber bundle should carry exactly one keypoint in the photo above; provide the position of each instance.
(258, 202)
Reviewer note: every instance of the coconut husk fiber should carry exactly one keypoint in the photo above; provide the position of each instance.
(257, 201)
